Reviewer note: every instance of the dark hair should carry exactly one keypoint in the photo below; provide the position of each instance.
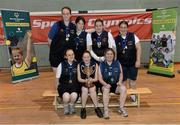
(80, 18)
(86, 51)
(123, 22)
(109, 49)
(66, 7)
(67, 50)
(98, 20)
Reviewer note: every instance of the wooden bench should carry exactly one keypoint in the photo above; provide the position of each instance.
(137, 92)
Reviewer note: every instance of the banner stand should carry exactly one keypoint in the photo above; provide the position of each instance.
(163, 42)
(19, 44)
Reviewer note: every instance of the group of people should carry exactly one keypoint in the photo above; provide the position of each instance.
(86, 62)
(162, 50)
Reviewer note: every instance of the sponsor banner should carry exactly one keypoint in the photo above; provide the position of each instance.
(139, 23)
(16, 25)
(163, 42)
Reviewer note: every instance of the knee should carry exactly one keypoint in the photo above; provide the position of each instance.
(132, 83)
(106, 90)
(74, 95)
(123, 89)
(66, 97)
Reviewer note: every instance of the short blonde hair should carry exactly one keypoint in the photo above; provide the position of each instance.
(18, 50)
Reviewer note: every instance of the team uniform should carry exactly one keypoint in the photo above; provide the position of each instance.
(19, 70)
(100, 43)
(67, 75)
(111, 73)
(83, 71)
(81, 46)
(126, 54)
(62, 37)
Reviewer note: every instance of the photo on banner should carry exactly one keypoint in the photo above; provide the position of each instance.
(19, 42)
(163, 42)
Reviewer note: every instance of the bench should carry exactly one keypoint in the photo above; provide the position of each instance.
(137, 92)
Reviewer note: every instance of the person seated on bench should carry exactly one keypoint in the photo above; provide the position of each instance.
(68, 86)
(111, 76)
(87, 75)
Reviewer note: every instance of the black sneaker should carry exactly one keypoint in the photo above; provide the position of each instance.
(98, 112)
(83, 113)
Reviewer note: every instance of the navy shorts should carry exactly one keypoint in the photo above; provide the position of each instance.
(113, 88)
(69, 88)
(129, 73)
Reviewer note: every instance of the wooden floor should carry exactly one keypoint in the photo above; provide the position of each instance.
(23, 103)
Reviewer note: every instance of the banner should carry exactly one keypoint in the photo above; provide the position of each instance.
(139, 23)
(19, 44)
(163, 42)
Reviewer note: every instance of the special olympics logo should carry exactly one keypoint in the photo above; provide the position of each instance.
(16, 14)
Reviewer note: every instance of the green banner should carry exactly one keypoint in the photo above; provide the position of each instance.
(163, 42)
(20, 48)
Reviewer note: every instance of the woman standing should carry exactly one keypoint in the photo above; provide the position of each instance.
(80, 39)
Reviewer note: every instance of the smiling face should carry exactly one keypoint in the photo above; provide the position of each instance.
(109, 55)
(80, 25)
(99, 27)
(17, 55)
(123, 29)
(86, 58)
(69, 55)
(66, 15)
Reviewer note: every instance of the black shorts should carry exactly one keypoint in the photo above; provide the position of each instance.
(129, 73)
(55, 61)
(69, 88)
(113, 88)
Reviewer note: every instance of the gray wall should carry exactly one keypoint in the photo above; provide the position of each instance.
(55, 5)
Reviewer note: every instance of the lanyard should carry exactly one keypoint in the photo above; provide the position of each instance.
(99, 37)
(124, 42)
(67, 32)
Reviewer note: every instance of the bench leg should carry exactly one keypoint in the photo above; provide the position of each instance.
(55, 102)
(138, 100)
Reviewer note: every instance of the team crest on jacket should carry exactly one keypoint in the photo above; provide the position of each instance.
(72, 31)
(119, 44)
(81, 40)
(130, 42)
(104, 39)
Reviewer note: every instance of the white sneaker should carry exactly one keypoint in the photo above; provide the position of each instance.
(123, 112)
(133, 98)
(79, 100)
(66, 109)
(71, 109)
(106, 114)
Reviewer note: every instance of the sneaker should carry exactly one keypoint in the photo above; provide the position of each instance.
(106, 114)
(133, 98)
(59, 100)
(66, 109)
(98, 112)
(71, 109)
(123, 112)
(79, 100)
(83, 113)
